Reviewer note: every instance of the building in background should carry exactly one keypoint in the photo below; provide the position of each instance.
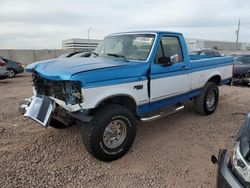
(194, 44)
(76, 44)
(246, 46)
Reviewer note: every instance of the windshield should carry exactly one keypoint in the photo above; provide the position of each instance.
(242, 59)
(128, 46)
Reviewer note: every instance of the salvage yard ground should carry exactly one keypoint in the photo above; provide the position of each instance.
(171, 152)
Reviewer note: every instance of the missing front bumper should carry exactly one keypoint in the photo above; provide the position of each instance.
(40, 110)
(58, 112)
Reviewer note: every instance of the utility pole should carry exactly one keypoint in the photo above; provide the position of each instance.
(237, 33)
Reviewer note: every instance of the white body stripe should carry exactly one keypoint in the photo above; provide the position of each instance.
(199, 78)
(93, 96)
(160, 88)
(169, 86)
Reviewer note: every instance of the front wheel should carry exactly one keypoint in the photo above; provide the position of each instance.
(207, 102)
(110, 134)
(11, 73)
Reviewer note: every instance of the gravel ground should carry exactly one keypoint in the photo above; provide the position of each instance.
(171, 152)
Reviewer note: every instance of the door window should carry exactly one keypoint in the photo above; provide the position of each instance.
(210, 53)
(169, 46)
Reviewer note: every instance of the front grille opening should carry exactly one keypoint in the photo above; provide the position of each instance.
(67, 91)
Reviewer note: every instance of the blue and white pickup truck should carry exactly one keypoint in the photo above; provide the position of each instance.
(141, 75)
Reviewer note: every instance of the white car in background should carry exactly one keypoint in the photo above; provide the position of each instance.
(3, 69)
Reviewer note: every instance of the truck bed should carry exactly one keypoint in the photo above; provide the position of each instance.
(209, 63)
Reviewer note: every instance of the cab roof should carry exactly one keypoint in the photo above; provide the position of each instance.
(148, 31)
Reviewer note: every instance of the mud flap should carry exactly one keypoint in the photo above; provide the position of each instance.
(40, 110)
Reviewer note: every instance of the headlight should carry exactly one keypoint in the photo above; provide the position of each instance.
(74, 94)
(240, 164)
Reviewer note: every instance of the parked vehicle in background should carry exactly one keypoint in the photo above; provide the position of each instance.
(134, 75)
(3, 69)
(204, 53)
(241, 70)
(234, 167)
(13, 67)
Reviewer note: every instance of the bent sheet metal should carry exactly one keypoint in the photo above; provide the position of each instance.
(40, 110)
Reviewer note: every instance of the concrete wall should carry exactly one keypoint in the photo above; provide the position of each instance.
(29, 56)
(221, 45)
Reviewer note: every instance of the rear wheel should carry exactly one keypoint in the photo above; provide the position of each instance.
(110, 134)
(11, 73)
(207, 102)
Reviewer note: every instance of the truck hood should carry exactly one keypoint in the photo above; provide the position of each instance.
(64, 68)
(92, 69)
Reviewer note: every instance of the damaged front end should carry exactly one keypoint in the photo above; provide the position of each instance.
(68, 92)
(55, 99)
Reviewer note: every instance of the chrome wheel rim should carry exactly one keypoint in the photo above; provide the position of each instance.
(11, 73)
(114, 134)
(211, 99)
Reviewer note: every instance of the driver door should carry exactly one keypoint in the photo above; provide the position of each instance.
(169, 84)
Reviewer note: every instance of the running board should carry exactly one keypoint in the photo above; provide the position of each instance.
(163, 114)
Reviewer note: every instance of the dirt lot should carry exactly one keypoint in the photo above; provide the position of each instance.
(171, 152)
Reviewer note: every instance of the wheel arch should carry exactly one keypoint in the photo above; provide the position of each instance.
(215, 78)
(10, 68)
(123, 99)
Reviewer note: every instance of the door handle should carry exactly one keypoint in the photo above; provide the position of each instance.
(184, 67)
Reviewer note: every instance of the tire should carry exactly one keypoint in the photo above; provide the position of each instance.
(57, 124)
(96, 135)
(202, 104)
(11, 73)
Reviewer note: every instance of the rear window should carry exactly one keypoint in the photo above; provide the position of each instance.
(217, 54)
(195, 52)
(210, 53)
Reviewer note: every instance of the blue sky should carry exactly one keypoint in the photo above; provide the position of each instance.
(40, 24)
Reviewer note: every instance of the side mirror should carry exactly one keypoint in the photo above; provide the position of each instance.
(174, 58)
(167, 61)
